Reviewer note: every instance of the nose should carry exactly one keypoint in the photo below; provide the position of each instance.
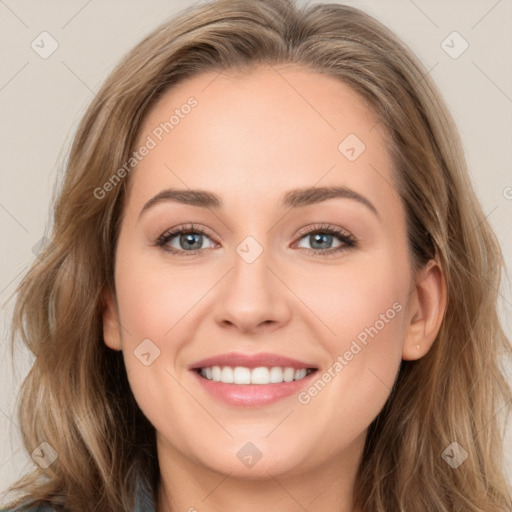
(253, 298)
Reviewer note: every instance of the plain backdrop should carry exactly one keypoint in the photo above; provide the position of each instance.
(42, 99)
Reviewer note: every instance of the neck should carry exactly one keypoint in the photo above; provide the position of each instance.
(186, 485)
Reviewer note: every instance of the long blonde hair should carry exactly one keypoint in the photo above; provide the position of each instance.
(76, 396)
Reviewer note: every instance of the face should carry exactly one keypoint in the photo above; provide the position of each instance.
(262, 272)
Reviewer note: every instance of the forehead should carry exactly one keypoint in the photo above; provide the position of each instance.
(269, 129)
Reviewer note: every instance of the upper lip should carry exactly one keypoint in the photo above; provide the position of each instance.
(251, 361)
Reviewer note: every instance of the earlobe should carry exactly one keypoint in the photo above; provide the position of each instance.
(111, 330)
(426, 311)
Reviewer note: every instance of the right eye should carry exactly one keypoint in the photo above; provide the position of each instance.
(188, 238)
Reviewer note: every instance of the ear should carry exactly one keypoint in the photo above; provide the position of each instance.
(111, 328)
(425, 312)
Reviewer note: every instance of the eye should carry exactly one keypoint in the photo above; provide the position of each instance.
(321, 238)
(188, 239)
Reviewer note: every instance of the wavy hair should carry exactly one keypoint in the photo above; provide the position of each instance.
(76, 396)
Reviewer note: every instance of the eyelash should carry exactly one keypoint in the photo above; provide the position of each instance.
(349, 241)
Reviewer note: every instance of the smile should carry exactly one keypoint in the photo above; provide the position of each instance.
(261, 375)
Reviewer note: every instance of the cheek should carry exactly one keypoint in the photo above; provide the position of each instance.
(153, 304)
(361, 299)
(158, 302)
(153, 298)
(362, 307)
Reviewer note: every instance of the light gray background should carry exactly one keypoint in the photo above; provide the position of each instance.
(41, 101)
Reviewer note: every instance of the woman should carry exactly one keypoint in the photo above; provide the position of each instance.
(193, 354)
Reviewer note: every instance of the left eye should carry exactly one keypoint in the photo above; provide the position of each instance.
(320, 239)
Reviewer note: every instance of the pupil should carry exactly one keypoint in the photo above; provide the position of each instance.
(319, 238)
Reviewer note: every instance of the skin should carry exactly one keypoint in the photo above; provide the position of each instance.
(251, 138)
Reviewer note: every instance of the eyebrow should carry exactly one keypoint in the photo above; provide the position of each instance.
(296, 198)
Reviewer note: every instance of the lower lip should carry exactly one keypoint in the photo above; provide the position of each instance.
(253, 394)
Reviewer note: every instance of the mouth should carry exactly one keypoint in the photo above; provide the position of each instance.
(257, 379)
(261, 375)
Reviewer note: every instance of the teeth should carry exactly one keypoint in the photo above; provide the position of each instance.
(260, 375)
(226, 375)
(300, 374)
(216, 372)
(276, 374)
(288, 374)
(242, 375)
